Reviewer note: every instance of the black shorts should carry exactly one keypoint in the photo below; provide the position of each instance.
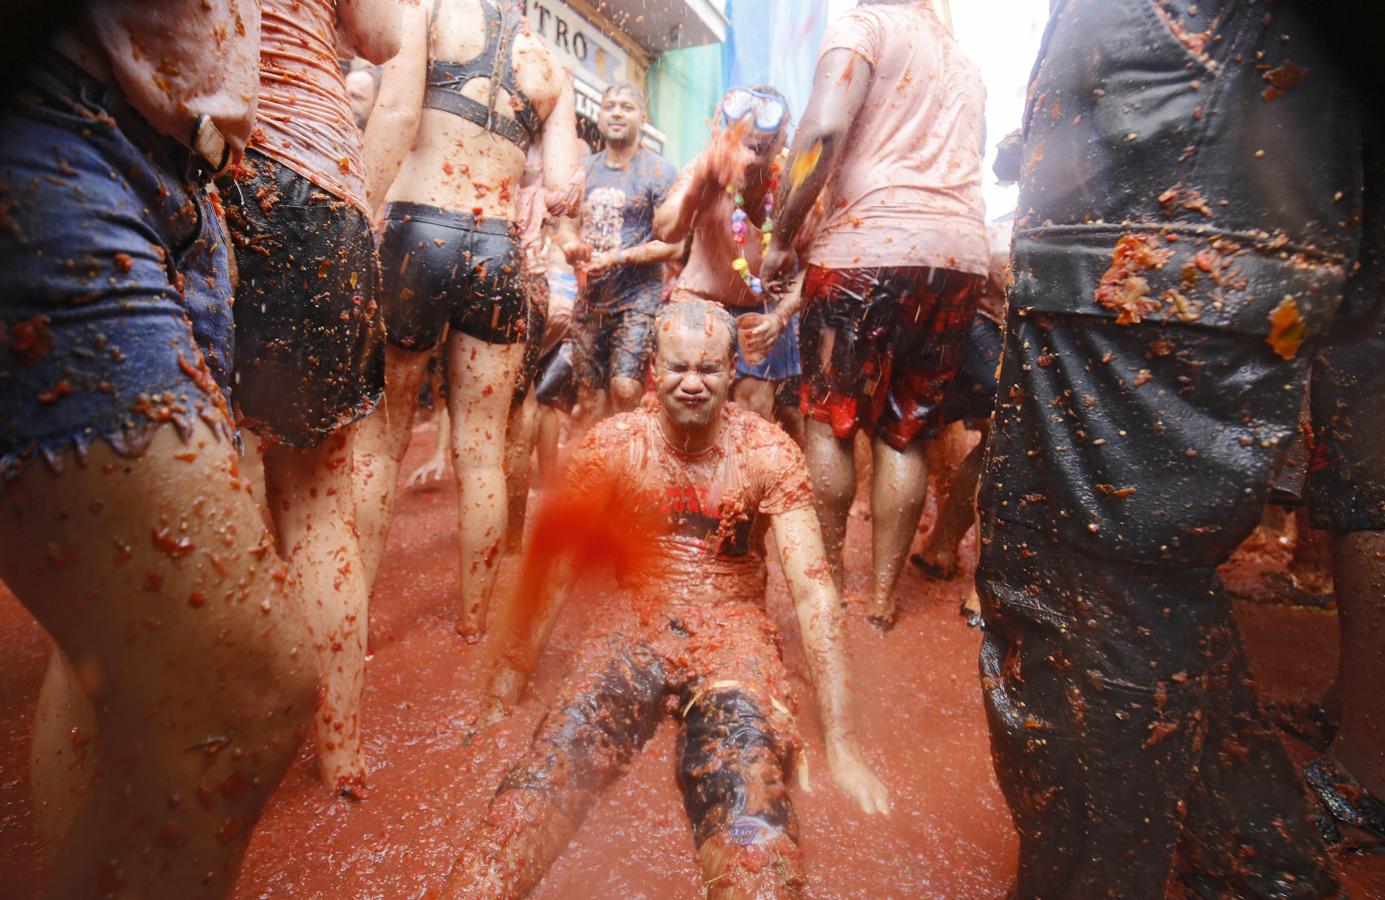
(1346, 471)
(309, 336)
(971, 396)
(443, 267)
(555, 386)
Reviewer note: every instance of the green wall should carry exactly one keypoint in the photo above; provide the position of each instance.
(684, 88)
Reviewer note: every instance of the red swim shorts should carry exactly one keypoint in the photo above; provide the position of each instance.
(881, 346)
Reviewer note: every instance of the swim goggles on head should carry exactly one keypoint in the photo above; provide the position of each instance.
(769, 111)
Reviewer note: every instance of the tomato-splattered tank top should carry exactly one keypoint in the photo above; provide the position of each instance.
(304, 118)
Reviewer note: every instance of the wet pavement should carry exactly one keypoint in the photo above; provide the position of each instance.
(431, 774)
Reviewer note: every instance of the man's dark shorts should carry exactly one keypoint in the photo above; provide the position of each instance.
(610, 343)
(971, 397)
(556, 387)
(881, 347)
(1346, 472)
(310, 341)
(782, 363)
(115, 313)
(442, 267)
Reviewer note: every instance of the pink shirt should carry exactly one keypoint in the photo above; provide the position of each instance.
(304, 120)
(907, 187)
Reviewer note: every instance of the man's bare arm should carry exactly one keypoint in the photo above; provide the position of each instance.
(763, 337)
(640, 254)
(372, 27)
(675, 216)
(839, 91)
(651, 252)
(821, 621)
(394, 122)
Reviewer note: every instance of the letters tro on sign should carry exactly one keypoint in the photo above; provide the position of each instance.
(590, 55)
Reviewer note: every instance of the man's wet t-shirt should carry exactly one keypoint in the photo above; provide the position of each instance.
(709, 510)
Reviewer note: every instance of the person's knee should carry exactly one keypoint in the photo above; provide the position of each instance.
(731, 766)
(757, 396)
(750, 858)
(625, 392)
(832, 467)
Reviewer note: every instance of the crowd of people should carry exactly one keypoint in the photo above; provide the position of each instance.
(268, 228)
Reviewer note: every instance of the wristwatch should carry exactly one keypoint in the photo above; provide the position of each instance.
(210, 145)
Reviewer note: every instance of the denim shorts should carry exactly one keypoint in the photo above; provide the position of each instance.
(115, 297)
(782, 363)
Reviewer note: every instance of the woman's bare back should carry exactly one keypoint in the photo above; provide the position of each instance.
(455, 163)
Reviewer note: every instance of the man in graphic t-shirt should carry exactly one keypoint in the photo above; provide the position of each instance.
(619, 258)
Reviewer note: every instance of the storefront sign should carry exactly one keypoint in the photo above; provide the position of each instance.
(580, 45)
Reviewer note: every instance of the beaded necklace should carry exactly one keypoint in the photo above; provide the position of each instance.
(740, 228)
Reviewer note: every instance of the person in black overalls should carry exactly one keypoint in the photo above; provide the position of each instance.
(446, 147)
(1200, 211)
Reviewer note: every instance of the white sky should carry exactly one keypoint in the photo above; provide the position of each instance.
(1002, 38)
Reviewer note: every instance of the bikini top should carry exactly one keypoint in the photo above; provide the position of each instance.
(495, 62)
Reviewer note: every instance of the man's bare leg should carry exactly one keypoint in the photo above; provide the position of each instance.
(1359, 575)
(482, 377)
(593, 405)
(755, 395)
(310, 497)
(833, 468)
(381, 441)
(625, 394)
(956, 514)
(865, 475)
(549, 431)
(897, 494)
(791, 420)
(436, 466)
(159, 582)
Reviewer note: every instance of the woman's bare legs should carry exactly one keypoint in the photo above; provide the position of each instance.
(310, 497)
(436, 466)
(157, 580)
(549, 435)
(482, 377)
(381, 441)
